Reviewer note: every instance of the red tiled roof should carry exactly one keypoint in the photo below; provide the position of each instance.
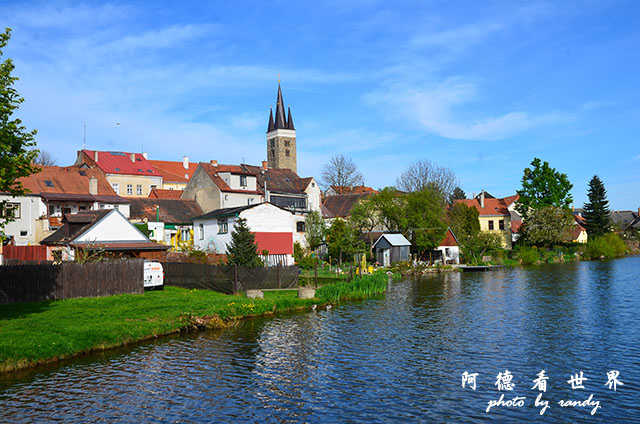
(352, 190)
(515, 226)
(212, 171)
(511, 199)
(275, 243)
(449, 239)
(492, 207)
(174, 172)
(170, 211)
(121, 163)
(66, 180)
(157, 193)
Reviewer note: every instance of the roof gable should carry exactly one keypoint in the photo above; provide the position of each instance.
(394, 240)
(171, 211)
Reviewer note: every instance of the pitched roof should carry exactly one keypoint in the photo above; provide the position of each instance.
(120, 163)
(449, 239)
(213, 170)
(157, 193)
(625, 219)
(170, 211)
(68, 180)
(394, 240)
(278, 180)
(492, 206)
(226, 212)
(352, 189)
(340, 205)
(174, 172)
(73, 225)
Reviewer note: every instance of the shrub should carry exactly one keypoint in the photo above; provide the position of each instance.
(528, 255)
(609, 245)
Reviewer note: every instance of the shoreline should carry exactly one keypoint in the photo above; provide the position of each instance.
(38, 334)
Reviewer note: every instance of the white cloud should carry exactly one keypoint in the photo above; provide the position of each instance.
(435, 108)
(596, 104)
(457, 39)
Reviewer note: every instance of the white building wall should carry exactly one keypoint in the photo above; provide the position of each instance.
(23, 229)
(234, 200)
(313, 196)
(113, 227)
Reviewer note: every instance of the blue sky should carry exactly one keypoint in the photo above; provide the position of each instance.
(482, 87)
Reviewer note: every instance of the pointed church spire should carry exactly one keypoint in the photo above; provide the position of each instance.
(270, 126)
(290, 120)
(280, 118)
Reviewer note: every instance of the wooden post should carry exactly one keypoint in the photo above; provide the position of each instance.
(315, 266)
(278, 274)
(235, 278)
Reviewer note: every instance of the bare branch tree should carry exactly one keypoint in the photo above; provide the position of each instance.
(341, 171)
(424, 173)
(45, 158)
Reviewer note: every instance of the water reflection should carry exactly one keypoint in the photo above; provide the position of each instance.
(393, 359)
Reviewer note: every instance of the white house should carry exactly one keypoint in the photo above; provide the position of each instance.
(450, 248)
(272, 226)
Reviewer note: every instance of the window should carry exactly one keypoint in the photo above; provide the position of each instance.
(129, 188)
(289, 202)
(243, 180)
(83, 173)
(66, 211)
(140, 170)
(287, 153)
(273, 153)
(250, 201)
(82, 208)
(185, 235)
(287, 143)
(52, 210)
(300, 226)
(23, 233)
(116, 187)
(501, 224)
(116, 169)
(273, 143)
(49, 183)
(153, 186)
(139, 189)
(223, 226)
(10, 210)
(491, 225)
(201, 227)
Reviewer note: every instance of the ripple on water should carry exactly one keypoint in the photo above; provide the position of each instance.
(384, 360)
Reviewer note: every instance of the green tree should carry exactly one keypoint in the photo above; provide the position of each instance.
(365, 218)
(457, 194)
(391, 204)
(316, 229)
(547, 226)
(342, 240)
(242, 250)
(16, 143)
(477, 245)
(543, 186)
(464, 221)
(596, 210)
(425, 219)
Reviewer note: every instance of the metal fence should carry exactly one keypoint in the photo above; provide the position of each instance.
(229, 278)
(32, 283)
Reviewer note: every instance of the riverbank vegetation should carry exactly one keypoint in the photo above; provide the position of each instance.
(42, 332)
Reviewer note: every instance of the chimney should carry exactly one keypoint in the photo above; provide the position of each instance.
(133, 157)
(482, 199)
(474, 195)
(214, 162)
(144, 155)
(264, 165)
(185, 162)
(93, 186)
(95, 156)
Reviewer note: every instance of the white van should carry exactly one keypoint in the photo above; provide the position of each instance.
(153, 275)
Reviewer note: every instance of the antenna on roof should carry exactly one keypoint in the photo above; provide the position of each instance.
(84, 137)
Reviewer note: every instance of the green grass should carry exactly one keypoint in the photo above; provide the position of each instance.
(43, 331)
(39, 332)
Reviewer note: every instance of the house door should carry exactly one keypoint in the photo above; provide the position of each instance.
(386, 257)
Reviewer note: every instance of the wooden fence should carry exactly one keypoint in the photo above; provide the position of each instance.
(28, 253)
(229, 279)
(32, 283)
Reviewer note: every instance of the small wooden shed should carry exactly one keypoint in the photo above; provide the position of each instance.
(391, 248)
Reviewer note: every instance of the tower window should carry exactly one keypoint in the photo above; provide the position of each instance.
(273, 143)
(287, 153)
(287, 143)
(273, 153)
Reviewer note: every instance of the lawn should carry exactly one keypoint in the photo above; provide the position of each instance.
(46, 331)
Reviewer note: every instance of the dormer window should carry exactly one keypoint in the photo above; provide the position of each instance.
(243, 180)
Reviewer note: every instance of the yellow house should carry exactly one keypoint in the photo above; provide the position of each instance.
(494, 215)
(130, 174)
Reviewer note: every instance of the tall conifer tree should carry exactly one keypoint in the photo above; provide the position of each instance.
(242, 250)
(596, 210)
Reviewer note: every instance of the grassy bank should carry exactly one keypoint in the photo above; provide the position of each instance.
(41, 332)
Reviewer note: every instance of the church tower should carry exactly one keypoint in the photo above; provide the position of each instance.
(281, 138)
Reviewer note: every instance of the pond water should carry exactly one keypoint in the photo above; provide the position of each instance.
(398, 358)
